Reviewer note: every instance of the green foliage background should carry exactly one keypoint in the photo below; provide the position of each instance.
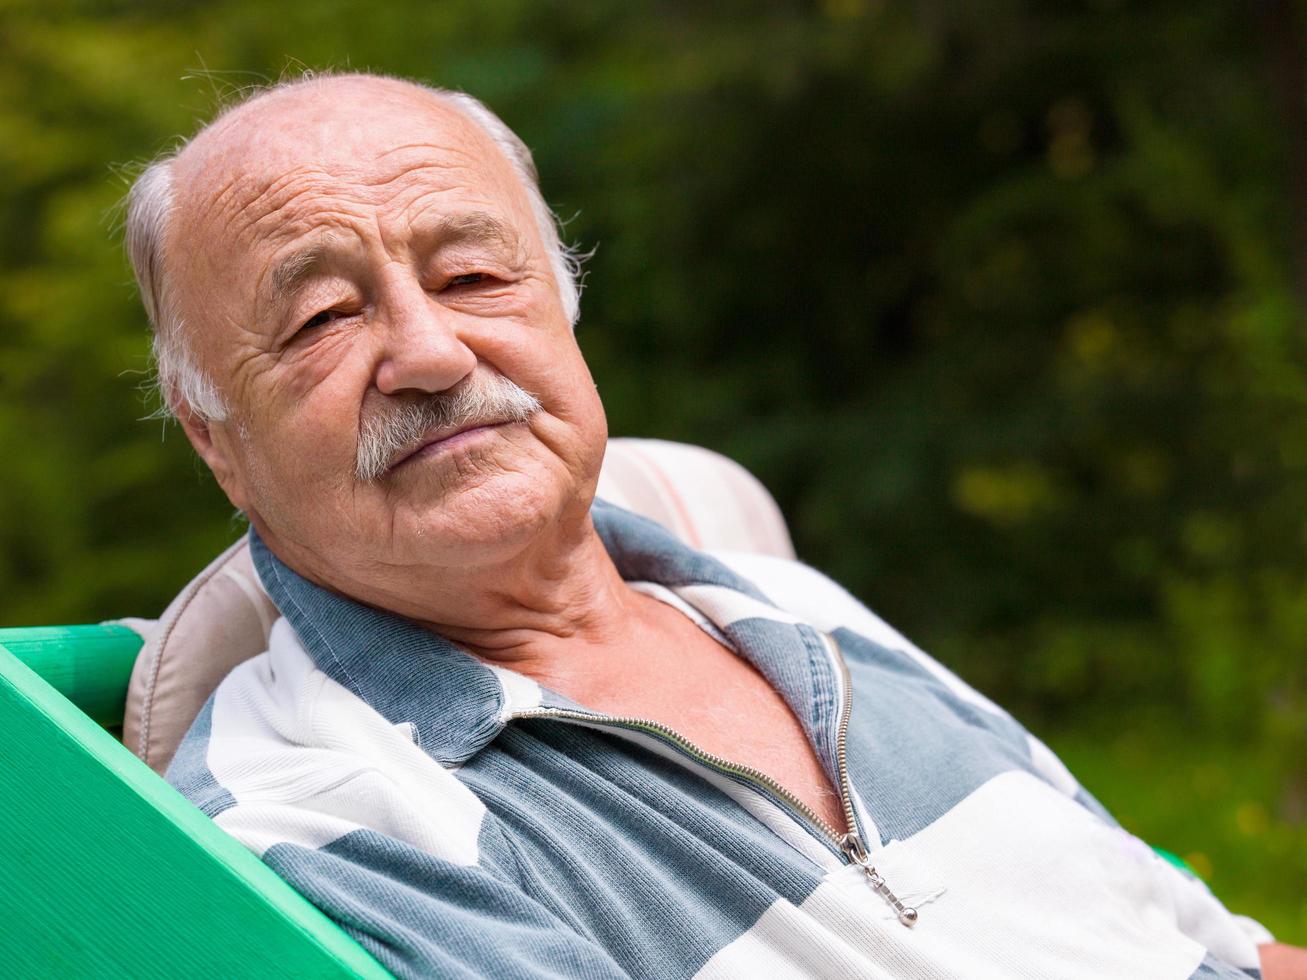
(998, 299)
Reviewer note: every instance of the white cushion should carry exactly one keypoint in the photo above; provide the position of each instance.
(223, 616)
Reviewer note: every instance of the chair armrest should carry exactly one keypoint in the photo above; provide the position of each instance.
(107, 871)
(89, 665)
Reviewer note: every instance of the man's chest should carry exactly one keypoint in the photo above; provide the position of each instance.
(724, 706)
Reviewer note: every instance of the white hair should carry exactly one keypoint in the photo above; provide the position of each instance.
(149, 208)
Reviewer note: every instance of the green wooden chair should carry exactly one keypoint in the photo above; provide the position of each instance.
(105, 869)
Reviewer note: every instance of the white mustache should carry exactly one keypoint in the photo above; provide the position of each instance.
(394, 431)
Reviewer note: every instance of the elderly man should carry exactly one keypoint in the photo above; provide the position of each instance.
(505, 729)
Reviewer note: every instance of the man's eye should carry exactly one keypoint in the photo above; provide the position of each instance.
(468, 279)
(320, 319)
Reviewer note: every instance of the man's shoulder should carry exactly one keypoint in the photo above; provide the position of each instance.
(811, 595)
(815, 598)
(282, 754)
(278, 729)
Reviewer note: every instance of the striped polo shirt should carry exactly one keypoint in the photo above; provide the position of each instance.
(459, 819)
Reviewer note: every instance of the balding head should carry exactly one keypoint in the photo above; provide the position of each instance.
(303, 108)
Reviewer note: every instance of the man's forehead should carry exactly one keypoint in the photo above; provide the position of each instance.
(290, 166)
(355, 133)
(413, 183)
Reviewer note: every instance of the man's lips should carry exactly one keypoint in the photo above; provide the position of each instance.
(441, 441)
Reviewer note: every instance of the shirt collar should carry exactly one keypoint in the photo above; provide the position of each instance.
(457, 704)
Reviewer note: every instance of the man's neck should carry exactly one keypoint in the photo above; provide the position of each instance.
(557, 611)
(534, 618)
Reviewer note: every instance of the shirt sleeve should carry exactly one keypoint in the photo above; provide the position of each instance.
(418, 914)
(1205, 919)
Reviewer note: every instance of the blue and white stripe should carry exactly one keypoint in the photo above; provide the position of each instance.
(402, 786)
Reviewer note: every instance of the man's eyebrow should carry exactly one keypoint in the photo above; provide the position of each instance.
(290, 273)
(469, 227)
(475, 227)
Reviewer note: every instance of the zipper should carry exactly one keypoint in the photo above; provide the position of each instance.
(850, 844)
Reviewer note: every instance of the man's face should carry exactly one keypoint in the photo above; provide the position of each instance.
(343, 252)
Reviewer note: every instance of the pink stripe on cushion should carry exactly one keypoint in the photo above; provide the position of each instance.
(655, 469)
(628, 479)
(768, 533)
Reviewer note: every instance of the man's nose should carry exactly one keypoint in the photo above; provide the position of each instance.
(422, 347)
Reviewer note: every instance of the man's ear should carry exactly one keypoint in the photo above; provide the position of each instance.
(217, 444)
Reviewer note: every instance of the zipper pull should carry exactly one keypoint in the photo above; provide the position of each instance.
(857, 853)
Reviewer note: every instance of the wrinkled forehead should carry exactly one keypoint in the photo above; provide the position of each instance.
(273, 168)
